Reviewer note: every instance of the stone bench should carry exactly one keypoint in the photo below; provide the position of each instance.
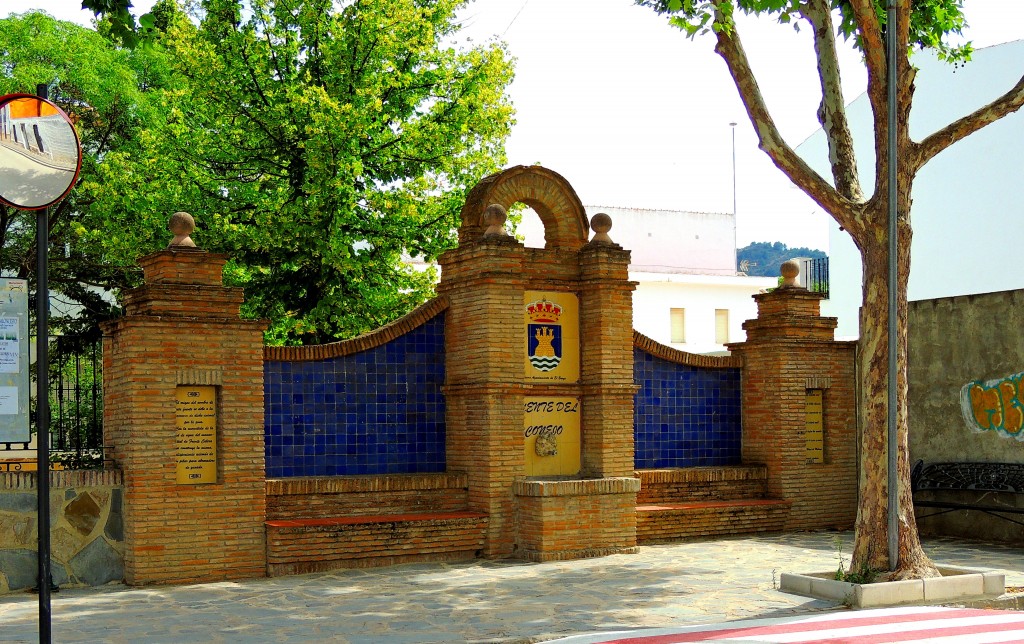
(296, 546)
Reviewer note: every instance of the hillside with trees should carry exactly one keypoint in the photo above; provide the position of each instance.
(764, 258)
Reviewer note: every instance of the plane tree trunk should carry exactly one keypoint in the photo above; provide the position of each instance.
(871, 549)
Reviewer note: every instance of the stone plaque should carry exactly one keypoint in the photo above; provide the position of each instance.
(814, 426)
(195, 416)
(551, 434)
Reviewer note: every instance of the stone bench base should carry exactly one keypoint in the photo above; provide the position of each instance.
(296, 546)
(671, 521)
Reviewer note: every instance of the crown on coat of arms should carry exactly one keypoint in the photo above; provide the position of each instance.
(544, 311)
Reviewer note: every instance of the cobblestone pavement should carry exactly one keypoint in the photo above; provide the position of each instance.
(481, 601)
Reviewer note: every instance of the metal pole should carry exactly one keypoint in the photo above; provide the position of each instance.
(43, 413)
(891, 45)
(733, 126)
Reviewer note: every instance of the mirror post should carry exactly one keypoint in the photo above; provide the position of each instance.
(43, 411)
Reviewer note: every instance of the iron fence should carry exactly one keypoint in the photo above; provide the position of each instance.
(817, 275)
(76, 402)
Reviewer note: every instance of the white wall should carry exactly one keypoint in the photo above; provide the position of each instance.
(967, 213)
(679, 259)
(667, 241)
(657, 293)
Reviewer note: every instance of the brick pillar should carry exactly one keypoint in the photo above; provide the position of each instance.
(606, 372)
(485, 350)
(790, 353)
(180, 329)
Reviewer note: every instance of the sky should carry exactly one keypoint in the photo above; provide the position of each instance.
(635, 115)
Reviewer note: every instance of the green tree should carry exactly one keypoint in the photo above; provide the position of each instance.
(318, 146)
(924, 24)
(106, 92)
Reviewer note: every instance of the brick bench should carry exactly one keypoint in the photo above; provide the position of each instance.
(669, 521)
(296, 546)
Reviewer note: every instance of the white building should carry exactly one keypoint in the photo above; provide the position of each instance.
(689, 294)
(967, 212)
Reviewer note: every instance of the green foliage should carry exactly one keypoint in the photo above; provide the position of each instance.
(865, 575)
(764, 258)
(106, 92)
(317, 146)
(119, 24)
(932, 22)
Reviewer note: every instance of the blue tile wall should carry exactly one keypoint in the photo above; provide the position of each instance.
(685, 416)
(379, 411)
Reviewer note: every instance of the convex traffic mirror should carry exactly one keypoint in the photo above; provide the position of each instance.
(40, 155)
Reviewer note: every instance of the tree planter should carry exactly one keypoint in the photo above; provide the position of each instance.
(954, 584)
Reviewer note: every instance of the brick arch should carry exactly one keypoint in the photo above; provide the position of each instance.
(546, 191)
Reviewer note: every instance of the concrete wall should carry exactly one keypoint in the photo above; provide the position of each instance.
(954, 341)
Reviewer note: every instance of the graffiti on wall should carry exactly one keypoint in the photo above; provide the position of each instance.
(995, 405)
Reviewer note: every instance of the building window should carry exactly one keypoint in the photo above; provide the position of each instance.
(678, 317)
(721, 326)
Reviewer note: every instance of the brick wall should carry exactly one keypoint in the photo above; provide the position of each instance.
(702, 484)
(182, 328)
(560, 520)
(789, 350)
(485, 280)
(295, 498)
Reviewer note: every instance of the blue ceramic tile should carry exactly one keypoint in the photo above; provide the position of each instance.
(375, 412)
(685, 416)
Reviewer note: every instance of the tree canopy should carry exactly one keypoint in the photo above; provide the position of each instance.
(106, 92)
(864, 214)
(321, 146)
(318, 147)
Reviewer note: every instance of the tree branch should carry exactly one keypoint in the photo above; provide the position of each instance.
(832, 113)
(959, 129)
(769, 139)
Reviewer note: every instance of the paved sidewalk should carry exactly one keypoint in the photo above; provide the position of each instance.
(493, 601)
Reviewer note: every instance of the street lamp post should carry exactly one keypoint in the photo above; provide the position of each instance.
(734, 250)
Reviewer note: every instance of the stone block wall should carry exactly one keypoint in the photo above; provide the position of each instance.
(87, 531)
(953, 342)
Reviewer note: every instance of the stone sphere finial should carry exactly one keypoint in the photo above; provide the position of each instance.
(495, 217)
(601, 223)
(182, 224)
(790, 269)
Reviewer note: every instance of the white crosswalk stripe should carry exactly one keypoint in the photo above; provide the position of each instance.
(914, 623)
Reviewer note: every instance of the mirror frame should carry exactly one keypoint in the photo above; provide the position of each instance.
(9, 98)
